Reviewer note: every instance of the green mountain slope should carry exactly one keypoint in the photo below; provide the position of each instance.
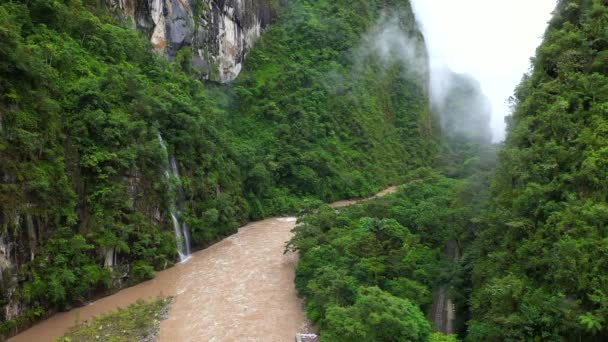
(541, 262)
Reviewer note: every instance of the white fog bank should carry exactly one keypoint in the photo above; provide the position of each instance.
(492, 40)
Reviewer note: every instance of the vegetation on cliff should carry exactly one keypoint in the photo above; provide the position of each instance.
(540, 260)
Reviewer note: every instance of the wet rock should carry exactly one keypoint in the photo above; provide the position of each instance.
(5, 263)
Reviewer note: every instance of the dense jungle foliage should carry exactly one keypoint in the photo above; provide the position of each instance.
(368, 271)
(82, 170)
(541, 267)
(535, 246)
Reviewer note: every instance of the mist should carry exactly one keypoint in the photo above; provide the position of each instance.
(464, 111)
(393, 40)
(490, 40)
(457, 100)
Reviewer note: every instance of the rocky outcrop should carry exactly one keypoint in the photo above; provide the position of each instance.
(10, 307)
(215, 35)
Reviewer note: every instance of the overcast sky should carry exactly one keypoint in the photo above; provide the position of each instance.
(493, 40)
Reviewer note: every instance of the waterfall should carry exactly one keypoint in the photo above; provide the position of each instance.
(31, 233)
(110, 258)
(174, 169)
(182, 232)
(5, 258)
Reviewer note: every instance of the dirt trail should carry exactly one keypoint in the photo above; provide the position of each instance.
(240, 289)
(346, 203)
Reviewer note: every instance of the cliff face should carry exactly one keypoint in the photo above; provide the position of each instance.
(216, 34)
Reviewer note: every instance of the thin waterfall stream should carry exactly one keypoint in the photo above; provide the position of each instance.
(182, 232)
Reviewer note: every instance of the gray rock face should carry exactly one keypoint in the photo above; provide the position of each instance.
(215, 33)
(11, 307)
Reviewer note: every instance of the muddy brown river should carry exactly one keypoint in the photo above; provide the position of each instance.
(240, 289)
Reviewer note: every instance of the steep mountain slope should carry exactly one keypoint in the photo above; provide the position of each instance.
(92, 121)
(541, 263)
(325, 110)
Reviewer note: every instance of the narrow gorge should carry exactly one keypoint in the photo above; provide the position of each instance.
(184, 152)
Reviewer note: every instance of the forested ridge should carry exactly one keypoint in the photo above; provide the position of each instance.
(85, 103)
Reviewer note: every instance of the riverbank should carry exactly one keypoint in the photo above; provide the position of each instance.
(241, 287)
(139, 322)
